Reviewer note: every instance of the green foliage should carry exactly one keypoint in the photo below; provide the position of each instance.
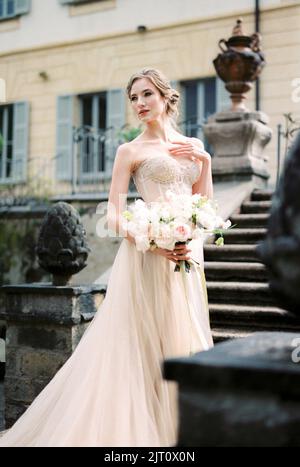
(35, 190)
(17, 241)
(130, 134)
(1, 142)
(18, 259)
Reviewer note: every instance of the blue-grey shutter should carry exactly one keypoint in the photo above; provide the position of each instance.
(223, 101)
(174, 84)
(200, 108)
(22, 6)
(20, 140)
(115, 120)
(64, 137)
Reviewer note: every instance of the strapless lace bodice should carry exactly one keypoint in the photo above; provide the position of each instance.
(157, 174)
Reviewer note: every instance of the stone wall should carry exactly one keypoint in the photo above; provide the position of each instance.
(44, 325)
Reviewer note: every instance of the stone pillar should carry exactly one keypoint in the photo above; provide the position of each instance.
(243, 392)
(44, 325)
(238, 140)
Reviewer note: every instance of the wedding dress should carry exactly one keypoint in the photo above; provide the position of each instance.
(111, 391)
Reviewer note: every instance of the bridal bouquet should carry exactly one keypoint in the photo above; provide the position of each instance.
(177, 219)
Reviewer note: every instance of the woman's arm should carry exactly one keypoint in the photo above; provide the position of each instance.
(118, 191)
(204, 184)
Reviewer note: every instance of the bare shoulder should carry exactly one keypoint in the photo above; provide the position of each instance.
(197, 141)
(124, 154)
(128, 155)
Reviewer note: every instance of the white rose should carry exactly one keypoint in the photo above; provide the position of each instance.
(205, 220)
(226, 224)
(168, 243)
(142, 243)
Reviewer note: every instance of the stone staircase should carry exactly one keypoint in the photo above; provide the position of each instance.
(240, 302)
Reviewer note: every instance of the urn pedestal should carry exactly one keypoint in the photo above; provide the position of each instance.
(238, 140)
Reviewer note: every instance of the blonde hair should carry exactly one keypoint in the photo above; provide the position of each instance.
(163, 85)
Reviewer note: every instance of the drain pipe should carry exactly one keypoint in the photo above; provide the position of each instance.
(257, 29)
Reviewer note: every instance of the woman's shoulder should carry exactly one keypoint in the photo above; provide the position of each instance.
(198, 141)
(127, 153)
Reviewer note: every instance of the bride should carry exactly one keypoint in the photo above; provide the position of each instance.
(111, 391)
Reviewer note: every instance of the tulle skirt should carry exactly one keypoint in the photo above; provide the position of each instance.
(111, 391)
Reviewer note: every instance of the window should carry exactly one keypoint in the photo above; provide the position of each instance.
(92, 148)
(14, 142)
(11, 8)
(88, 133)
(201, 98)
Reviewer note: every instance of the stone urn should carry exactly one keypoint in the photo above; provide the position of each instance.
(238, 136)
(239, 64)
(62, 246)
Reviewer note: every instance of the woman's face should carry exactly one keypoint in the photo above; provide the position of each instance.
(146, 100)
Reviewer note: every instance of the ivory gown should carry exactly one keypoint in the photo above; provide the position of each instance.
(110, 392)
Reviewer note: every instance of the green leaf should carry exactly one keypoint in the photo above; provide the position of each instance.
(220, 241)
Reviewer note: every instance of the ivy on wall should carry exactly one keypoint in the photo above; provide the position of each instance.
(18, 261)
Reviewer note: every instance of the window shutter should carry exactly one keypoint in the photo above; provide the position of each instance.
(200, 102)
(20, 140)
(200, 107)
(64, 137)
(115, 120)
(22, 6)
(223, 99)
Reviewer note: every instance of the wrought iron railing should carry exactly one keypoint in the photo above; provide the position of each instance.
(92, 158)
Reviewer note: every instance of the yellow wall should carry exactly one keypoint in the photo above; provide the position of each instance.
(182, 51)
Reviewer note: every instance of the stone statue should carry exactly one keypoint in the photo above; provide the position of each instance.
(281, 249)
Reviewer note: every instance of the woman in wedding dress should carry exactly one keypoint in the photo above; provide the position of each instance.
(111, 391)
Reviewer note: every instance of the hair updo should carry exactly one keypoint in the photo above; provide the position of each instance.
(163, 85)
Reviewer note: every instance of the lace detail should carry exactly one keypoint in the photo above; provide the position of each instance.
(166, 170)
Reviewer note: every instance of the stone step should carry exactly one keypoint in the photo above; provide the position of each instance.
(250, 293)
(231, 253)
(221, 334)
(262, 195)
(255, 207)
(235, 271)
(243, 236)
(252, 221)
(256, 317)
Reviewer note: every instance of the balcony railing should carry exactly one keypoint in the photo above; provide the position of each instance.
(92, 158)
